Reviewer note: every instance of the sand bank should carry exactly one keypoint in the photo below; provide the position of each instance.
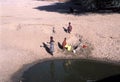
(23, 29)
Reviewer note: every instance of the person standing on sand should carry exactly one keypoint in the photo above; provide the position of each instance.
(69, 29)
(64, 44)
(51, 45)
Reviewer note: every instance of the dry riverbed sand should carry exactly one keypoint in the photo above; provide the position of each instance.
(23, 29)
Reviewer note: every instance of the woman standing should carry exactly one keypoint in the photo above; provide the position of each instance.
(51, 45)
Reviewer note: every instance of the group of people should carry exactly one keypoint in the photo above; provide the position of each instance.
(64, 43)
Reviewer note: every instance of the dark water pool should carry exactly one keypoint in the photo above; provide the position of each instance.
(69, 71)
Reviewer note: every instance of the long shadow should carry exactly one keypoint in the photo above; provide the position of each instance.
(46, 48)
(56, 7)
(66, 7)
(59, 45)
(65, 29)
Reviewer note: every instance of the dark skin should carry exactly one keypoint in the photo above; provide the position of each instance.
(69, 28)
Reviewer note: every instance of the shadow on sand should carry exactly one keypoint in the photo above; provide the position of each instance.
(66, 7)
(59, 45)
(65, 29)
(46, 48)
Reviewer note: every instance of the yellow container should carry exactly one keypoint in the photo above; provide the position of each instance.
(69, 48)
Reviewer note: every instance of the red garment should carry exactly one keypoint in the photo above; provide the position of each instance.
(84, 46)
(64, 43)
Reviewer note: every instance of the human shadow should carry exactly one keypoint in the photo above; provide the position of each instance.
(71, 7)
(65, 29)
(46, 48)
(59, 45)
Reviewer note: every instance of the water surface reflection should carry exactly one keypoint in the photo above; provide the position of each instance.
(69, 71)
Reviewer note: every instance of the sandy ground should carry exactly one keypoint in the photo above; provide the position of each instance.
(23, 29)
